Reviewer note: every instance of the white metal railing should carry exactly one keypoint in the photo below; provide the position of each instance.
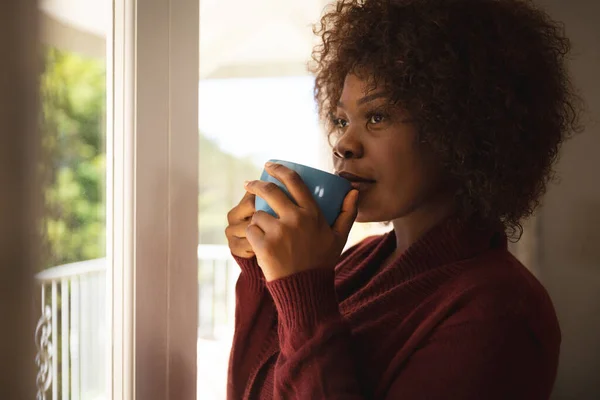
(71, 335)
(217, 275)
(74, 313)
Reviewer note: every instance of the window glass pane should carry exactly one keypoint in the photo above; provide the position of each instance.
(255, 103)
(73, 282)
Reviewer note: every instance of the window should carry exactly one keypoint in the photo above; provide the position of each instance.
(129, 165)
(72, 285)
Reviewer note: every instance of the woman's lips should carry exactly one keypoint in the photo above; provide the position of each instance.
(361, 186)
(358, 182)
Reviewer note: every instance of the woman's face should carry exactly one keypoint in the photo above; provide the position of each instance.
(377, 147)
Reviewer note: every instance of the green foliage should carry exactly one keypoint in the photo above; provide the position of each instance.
(221, 187)
(73, 91)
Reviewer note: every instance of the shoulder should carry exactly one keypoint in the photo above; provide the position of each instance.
(499, 273)
(496, 287)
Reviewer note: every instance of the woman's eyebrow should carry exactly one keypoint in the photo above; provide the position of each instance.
(366, 99)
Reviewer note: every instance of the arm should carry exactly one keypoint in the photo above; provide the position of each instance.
(255, 319)
(255, 314)
(315, 360)
(481, 359)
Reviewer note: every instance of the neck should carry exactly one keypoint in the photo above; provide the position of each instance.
(414, 225)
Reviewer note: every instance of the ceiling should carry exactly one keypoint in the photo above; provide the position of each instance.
(261, 38)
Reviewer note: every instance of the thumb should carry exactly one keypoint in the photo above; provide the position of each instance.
(344, 221)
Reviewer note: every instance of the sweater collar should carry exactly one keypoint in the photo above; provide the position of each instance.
(447, 243)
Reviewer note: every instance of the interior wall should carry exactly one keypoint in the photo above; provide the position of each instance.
(569, 221)
(18, 240)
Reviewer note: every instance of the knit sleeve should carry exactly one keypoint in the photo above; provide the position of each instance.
(490, 358)
(315, 359)
(255, 318)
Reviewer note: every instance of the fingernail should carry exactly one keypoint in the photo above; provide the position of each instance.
(268, 164)
(246, 183)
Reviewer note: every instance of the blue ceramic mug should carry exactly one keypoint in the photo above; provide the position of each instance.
(328, 190)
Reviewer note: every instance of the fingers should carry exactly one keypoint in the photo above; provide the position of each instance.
(266, 222)
(243, 211)
(255, 236)
(236, 238)
(345, 220)
(260, 224)
(240, 247)
(272, 194)
(239, 219)
(237, 230)
(293, 183)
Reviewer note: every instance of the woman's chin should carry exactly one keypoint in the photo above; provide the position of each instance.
(360, 220)
(369, 210)
(373, 215)
(366, 216)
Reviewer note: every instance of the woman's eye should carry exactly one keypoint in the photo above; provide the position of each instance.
(376, 119)
(340, 123)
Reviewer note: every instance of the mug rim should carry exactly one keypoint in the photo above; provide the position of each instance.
(278, 161)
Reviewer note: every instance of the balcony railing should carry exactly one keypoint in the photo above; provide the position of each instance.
(72, 332)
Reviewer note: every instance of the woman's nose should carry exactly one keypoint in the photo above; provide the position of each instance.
(348, 146)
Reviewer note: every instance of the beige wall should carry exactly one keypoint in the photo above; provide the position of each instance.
(569, 222)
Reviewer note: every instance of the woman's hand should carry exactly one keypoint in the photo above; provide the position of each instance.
(300, 239)
(239, 218)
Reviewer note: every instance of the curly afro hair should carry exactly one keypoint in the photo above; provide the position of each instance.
(485, 81)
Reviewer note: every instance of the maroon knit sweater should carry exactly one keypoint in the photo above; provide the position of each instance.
(454, 317)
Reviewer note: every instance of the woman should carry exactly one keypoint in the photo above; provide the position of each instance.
(447, 116)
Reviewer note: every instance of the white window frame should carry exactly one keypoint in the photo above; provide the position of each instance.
(152, 199)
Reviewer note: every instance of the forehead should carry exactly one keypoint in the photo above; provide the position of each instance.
(358, 91)
(355, 86)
